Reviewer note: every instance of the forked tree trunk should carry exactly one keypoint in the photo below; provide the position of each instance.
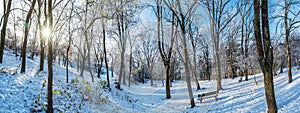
(264, 51)
(165, 57)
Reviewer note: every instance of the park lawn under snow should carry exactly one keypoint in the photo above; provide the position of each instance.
(20, 92)
(245, 97)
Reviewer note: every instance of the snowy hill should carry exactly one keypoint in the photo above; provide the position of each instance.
(27, 93)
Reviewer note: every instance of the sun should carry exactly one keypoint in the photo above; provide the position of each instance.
(46, 32)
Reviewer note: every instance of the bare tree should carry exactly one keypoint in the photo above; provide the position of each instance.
(291, 22)
(27, 27)
(165, 53)
(69, 41)
(264, 50)
(217, 10)
(42, 39)
(149, 51)
(3, 30)
(182, 19)
(50, 58)
(193, 35)
(124, 20)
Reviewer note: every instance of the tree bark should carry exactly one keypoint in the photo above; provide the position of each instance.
(105, 55)
(185, 52)
(165, 57)
(69, 43)
(50, 59)
(193, 67)
(130, 67)
(287, 46)
(207, 67)
(27, 28)
(121, 29)
(264, 51)
(217, 59)
(3, 30)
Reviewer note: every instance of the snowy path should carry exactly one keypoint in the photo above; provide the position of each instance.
(245, 97)
(178, 100)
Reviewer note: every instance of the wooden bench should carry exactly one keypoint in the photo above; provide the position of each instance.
(201, 96)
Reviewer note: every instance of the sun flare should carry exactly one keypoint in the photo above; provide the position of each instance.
(46, 32)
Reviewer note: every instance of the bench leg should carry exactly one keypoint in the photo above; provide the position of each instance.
(201, 99)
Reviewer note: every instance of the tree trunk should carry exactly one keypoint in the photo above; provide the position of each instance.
(186, 66)
(69, 44)
(112, 67)
(281, 67)
(122, 66)
(246, 56)
(193, 67)
(186, 54)
(264, 51)
(33, 48)
(231, 57)
(207, 63)
(122, 45)
(165, 59)
(50, 59)
(67, 63)
(100, 66)
(168, 90)
(194, 77)
(130, 66)
(87, 43)
(3, 30)
(105, 55)
(27, 28)
(287, 46)
(15, 35)
(89, 63)
(42, 38)
(218, 63)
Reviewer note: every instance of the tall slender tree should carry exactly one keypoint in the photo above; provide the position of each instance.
(69, 41)
(50, 58)
(264, 50)
(3, 30)
(192, 31)
(182, 18)
(290, 24)
(217, 10)
(27, 28)
(165, 53)
(42, 39)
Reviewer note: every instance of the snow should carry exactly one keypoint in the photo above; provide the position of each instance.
(27, 92)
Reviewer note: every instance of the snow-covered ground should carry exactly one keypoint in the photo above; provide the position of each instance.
(237, 97)
(27, 92)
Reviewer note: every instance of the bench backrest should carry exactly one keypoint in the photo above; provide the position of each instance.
(207, 94)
